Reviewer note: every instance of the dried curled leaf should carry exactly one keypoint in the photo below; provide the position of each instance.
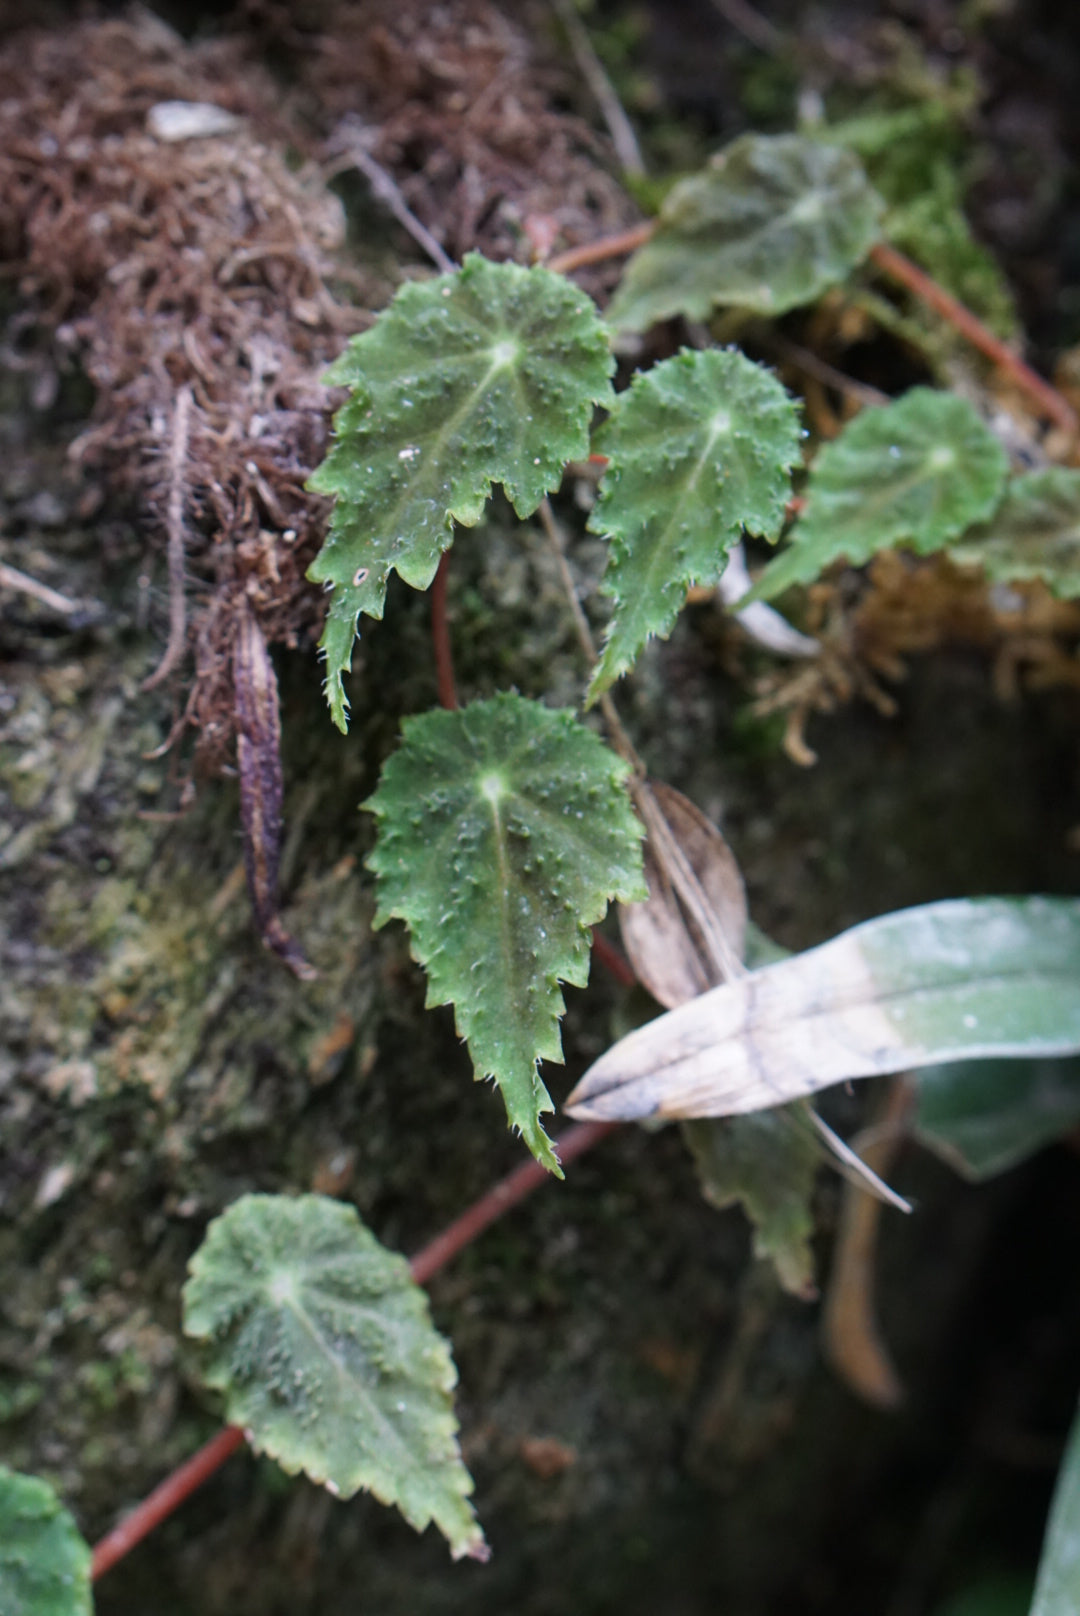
(688, 935)
(488, 375)
(918, 471)
(44, 1561)
(771, 223)
(958, 980)
(258, 759)
(668, 948)
(700, 450)
(325, 1351)
(505, 829)
(852, 1340)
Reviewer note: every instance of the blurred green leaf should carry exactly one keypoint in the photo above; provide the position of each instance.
(985, 1116)
(767, 1162)
(324, 1348)
(1057, 1587)
(769, 225)
(964, 979)
(1035, 533)
(44, 1561)
(918, 471)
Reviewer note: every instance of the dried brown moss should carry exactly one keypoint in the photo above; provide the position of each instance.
(202, 286)
(471, 120)
(912, 605)
(190, 282)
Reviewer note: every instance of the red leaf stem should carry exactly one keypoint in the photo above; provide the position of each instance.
(175, 1489)
(164, 1499)
(440, 637)
(613, 960)
(1046, 399)
(1049, 402)
(507, 1193)
(594, 252)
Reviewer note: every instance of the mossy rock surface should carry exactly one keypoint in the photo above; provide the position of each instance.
(646, 1416)
(635, 1396)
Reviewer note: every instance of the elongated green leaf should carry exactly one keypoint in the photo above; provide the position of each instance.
(44, 1562)
(699, 448)
(504, 831)
(768, 1163)
(1034, 534)
(985, 1116)
(325, 1351)
(770, 224)
(915, 472)
(486, 375)
(965, 979)
(1057, 1588)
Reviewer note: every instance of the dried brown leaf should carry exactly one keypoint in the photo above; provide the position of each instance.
(687, 936)
(258, 754)
(689, 933)
(851, 1338)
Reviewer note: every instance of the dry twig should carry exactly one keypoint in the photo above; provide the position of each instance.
(179, 440)
(596, 76)
(21, 583)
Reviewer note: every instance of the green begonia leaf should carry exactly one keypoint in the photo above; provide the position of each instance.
(1034, 534)
(504, 831)
(1057, 1587)
(768, 1163)
(324, 1348)
(488, 375)
(44, 1561)
(770, 224)
(985, 1116)
(699, 450)
(966, 979)
(916, 472)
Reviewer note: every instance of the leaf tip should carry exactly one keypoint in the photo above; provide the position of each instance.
(337, 701)
(542, 1148)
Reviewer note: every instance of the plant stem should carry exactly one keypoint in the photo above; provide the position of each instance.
(12, 578)
(349, 140)
(440, 637)
(1047, 399)
(165, 1499)
(596, 77)
(612, 960)
(509, 1192)
(594, 252)
(179, 444)
(750, 24)
(619, 738)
